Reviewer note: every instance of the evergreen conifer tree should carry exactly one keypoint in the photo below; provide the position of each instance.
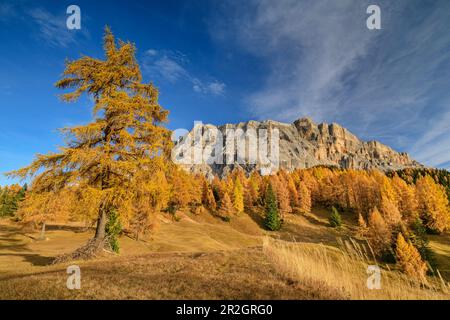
(335, 218)
(272, 219)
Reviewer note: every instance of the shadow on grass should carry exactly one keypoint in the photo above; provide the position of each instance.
(75, 229)
(443, 264)
(257, 218)
(34, 259)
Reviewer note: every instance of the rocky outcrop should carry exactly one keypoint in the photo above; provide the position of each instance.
(303, 144)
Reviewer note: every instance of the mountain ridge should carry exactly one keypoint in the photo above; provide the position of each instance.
(302, 144)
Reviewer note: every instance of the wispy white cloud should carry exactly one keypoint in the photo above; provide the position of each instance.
(49, 27)
(390, 84)
(433, 146)
(214, 87)
(169, 69)
(52, 28)
(171, 66)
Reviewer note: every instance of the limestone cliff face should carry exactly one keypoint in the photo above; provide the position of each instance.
(302, 144)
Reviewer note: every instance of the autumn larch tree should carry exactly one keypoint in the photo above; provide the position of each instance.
(379, 234)
(43, 207)
(113, 155)
(226, 207)
(433, 204)
(407, 203)
(238, 196)
(304, 198)
(362, 226)
(282, 194)
(409, 259)
(207, 196)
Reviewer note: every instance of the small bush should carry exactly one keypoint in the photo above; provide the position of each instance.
(335, 218)
(113, 229)
(172, 209)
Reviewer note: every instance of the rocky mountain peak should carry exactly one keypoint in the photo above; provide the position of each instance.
(301, 144)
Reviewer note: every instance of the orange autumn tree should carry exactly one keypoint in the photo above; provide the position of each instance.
(40, 208)
(113, 156)
(304, 198)
(226, 208)
(433, 204)
(409, 260)
(238, 196)
(208, 197)
(378, 234)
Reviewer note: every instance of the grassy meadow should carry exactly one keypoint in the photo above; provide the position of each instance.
(202, 257)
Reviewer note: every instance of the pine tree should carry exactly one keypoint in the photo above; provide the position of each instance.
(335, 218)
(272, 219)
(409, 260)
(11, 198)
(112, 156)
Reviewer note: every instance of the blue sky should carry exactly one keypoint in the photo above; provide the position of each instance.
(229, 61)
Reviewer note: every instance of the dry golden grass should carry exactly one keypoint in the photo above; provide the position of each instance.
(198, 257)
(440, 244)
(328, 268)
(229, 274)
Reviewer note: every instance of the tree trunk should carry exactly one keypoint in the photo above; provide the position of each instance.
(42, 236)
(101, 223)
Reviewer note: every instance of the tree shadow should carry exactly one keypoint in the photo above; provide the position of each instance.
(311, 218)
(443, 264)
(75, 229)
(296, 233)
(256, 217)
(33, 258)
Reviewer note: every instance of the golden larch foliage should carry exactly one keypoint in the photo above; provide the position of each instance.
(390, 212)
(407, 201)
(379, 235)
(226, 206)
(433, 204)
(120, 148)
(238, 196)
(409, 259)
(282, 194)
(208, 197)
(304, 198)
